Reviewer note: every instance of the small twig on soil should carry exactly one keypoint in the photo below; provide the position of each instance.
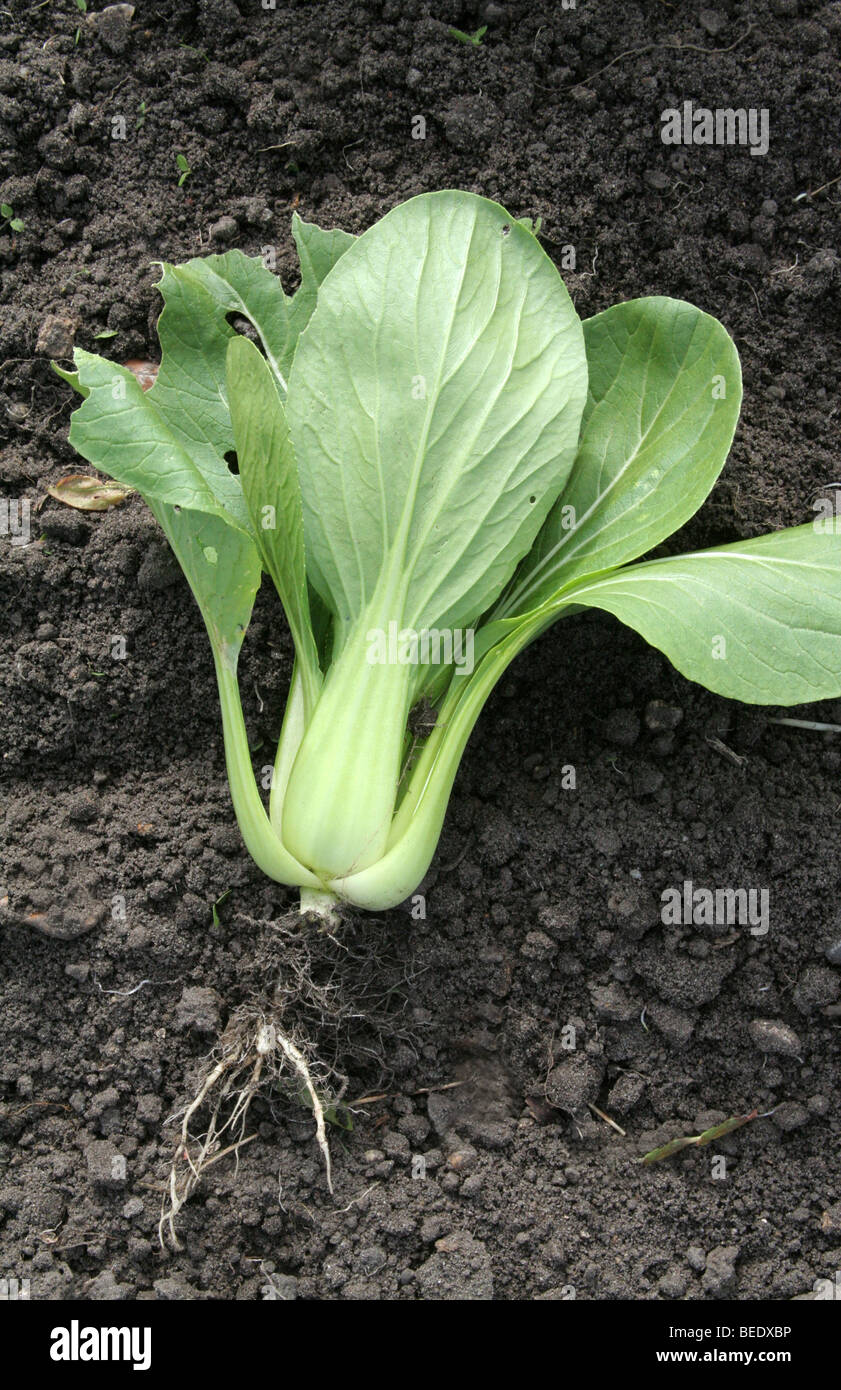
(36, 1104)
(673, 47)
(716, 744)
(124, 993)
(75, 1244)
(813, 193)
(809, 724)
(354, 1200)
(445, 1086)
(608, 1121)
(740, 281)
(112, 93)
(391, 1095)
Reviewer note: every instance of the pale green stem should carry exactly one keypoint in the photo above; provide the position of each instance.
(292, 731)
(260, 839)
(417, 824)
(342, 789)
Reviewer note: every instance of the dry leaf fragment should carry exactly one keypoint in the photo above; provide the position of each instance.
(87, 493)
(145, 371)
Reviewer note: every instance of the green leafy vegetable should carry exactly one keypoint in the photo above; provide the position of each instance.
(435, 461)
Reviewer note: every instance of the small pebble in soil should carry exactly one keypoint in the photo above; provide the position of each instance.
(105, 1289)
(772, 1035)
(573, 1082)
(538, 946)
(720, 1271)
(622, 728)
(833, 952)
(459, 1270)
(711, 22)
(676, 1026)
(612, 1004)
(113, 26)
(661, 718)
(672, 1284)
(106, 1165)
(625, 1094)
(225, 230)
(790, 1115)
(198, 1009)
(831, 1220)
(817, 987)
(56, 336)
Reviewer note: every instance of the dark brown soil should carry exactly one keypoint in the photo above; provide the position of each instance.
(543, 908)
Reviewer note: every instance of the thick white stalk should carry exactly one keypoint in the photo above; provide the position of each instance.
(342, 790)
(321, 905)
(417, 826)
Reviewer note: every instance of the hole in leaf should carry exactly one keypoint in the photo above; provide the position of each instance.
(232, 461)
(532, 499)
(245, 328)
(506, 229)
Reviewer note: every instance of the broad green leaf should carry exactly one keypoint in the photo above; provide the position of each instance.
(662, 406)
(222, 567)
(758, 621)
(776, 601)
(434, 405)
(120, 430)
(72, 378)
(195, 332)
(172, 447)
(270, 483)
(318, 252)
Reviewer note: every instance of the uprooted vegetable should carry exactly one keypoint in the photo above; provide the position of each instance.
(436, 461)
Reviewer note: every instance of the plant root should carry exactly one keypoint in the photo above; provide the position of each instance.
(253, 1051)
(333, 1007)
